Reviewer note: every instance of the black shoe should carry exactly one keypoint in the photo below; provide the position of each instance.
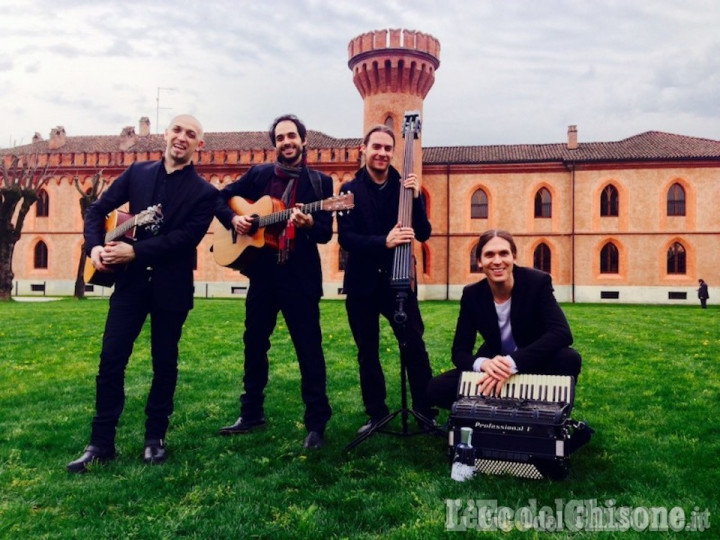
(314, 440)
(242, 426)
(155, 451)
(93, 454)
(368, 426)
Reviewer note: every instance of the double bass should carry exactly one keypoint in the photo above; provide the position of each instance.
(403, 269)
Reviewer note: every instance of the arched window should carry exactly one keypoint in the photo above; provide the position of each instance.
(42, 206)
(473, 260)
(390, 122)
(342, 259)
(609, 201)
(426, 197)
(676, 259)
(541, 257)
(425, 254)
(676, 200)
(479, 205)
(41, 255)
(609, 259)
(543, 203)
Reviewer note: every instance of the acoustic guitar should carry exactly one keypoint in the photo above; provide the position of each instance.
(121, 225)
(238, 251)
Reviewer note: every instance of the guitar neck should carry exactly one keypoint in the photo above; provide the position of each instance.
(284, 215)
(120, 230)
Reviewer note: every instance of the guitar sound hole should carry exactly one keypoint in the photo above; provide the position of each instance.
(255, 224)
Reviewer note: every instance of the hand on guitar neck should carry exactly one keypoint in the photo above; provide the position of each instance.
(301, 220)
(249, 224)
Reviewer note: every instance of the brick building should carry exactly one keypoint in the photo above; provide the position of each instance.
(633, 220)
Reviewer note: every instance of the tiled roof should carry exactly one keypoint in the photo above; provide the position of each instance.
(650, 146)
(235, 140)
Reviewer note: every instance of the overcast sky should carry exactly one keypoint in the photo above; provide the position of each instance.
(511, 71)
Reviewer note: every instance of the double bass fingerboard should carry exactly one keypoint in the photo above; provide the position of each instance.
(402, 273)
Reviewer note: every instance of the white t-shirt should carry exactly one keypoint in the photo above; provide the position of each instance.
(507, 343)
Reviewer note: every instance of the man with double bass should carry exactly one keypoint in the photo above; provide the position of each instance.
(370, 234)
(286, 276)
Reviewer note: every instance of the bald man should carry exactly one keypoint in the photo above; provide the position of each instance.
(153, 275)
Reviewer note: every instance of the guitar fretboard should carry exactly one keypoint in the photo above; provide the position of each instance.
(284, 215)
(121, 229)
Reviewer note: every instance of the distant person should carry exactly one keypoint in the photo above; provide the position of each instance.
(157, 281)
(370, 234)
(514, 311)
(286, 278)
(703, 294)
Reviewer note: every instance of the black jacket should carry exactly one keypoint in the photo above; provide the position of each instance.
(303, 266)
(172, 252)
(539, 326)
(363, 230)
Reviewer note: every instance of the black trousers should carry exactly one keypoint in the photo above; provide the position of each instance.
(125, 320)
(265, 299)
(364, 319)
(443, 389)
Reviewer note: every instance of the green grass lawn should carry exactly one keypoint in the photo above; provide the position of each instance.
(649, 387)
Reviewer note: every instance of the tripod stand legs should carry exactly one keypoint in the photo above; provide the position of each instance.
(425, 424)
(371, 430)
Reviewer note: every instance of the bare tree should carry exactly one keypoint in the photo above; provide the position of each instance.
(22, 179)
(87, 197)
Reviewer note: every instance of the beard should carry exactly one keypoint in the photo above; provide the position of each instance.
(293, 159)
(180, 160)
(178, 157)
(380, 168)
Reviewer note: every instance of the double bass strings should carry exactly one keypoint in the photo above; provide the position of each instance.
(402, 261)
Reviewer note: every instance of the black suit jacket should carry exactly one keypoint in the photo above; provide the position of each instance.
(363, 230)
(172, 252)
(539, 326)
(303, 265)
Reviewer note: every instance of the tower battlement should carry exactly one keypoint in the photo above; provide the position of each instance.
(395, 61)
(394, 38)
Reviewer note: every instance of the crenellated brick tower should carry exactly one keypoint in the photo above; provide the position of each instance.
(394, 70)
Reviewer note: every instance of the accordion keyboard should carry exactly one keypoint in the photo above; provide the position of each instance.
(523, 386)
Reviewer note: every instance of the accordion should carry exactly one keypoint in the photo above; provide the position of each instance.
(523, 431)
